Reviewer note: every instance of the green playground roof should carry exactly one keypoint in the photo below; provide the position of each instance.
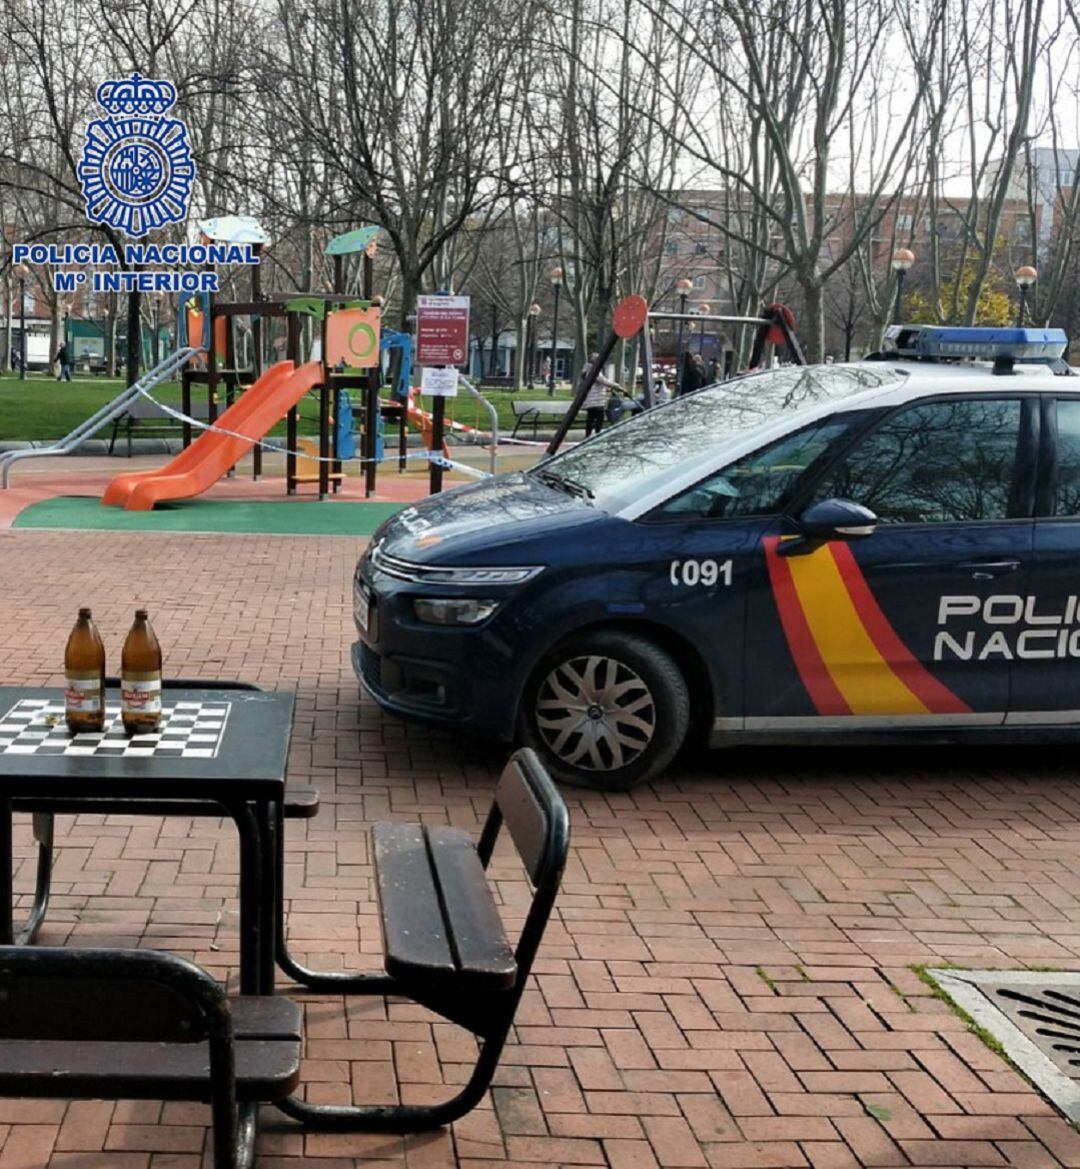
(351, 241)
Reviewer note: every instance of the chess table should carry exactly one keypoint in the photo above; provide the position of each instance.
(188, 730)
(227, 746)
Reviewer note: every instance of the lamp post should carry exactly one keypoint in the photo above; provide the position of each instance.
(534, 313)
(703, 310)
(902, 259)
(683, 287)
(1025, 277)
(22, 271)
(556, 282)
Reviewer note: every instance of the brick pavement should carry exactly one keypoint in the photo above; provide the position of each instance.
(728, 981)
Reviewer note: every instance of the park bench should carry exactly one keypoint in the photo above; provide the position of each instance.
(529, 411)
(141, 1024)
(148, 418)
(301, 803)
(444, 943)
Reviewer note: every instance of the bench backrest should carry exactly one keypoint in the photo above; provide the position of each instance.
(145, 409)
(527, 814)
(533, 812)
(542, 407)
(55, 993)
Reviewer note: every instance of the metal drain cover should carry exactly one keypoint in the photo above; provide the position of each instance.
(1035, 1016)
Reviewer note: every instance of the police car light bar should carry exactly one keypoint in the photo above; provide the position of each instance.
(948, 341)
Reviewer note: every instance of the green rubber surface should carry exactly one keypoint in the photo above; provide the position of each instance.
(294, 517)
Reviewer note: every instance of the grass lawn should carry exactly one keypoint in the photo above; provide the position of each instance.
(42, 408)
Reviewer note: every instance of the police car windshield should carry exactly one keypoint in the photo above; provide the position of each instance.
(634, 458)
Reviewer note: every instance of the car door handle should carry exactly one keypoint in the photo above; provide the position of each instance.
(988, 569)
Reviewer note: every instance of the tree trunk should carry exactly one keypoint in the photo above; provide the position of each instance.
(812, 334)
(410, 290)
(133, 361)
(110, 336)
(493, 360)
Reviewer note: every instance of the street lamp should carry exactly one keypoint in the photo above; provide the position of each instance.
(1025, 277)
(534, 313)
(703, 310)
(683, 287)
(22, 271)
(155, 301)
(556, 276)
(902, 259)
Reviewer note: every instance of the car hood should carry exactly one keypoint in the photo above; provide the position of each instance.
(490, 523)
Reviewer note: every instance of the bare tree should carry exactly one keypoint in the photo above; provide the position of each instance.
(399, 102)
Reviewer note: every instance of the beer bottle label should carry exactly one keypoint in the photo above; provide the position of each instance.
(83, 692)
(140, 694)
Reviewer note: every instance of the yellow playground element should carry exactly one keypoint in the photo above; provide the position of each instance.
(307, 461)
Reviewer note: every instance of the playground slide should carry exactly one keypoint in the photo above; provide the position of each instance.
(214, 453)
(232, 419)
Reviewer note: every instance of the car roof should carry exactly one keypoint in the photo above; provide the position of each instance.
(910, 381)
(927, 377)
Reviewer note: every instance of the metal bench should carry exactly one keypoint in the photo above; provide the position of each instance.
(141, 1024)
(528, 411)
(444, 943)
(150, 419)
(301, 803)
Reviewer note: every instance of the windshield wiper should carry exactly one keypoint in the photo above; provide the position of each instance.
(561, 483)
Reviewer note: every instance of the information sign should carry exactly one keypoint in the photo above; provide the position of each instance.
(439, 382)
(442, 330)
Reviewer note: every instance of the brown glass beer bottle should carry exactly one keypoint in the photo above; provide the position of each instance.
(140, 678)
(84, 671)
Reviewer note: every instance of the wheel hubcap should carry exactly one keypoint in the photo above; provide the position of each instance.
(595, 713)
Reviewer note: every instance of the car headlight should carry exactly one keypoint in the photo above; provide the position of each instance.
(453, 610)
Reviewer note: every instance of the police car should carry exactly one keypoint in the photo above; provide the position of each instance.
(881, 550)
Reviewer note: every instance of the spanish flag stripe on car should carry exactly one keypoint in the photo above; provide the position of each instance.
(813, 670)
(848, 655)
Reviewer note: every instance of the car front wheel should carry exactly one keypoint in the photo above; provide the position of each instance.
(606, 710)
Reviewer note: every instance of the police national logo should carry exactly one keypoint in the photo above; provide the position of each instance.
(136, 170)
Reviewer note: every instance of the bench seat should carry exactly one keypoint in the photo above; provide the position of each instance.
(109, 1024)
(266, 1035)
(534, 411)
(441, 926)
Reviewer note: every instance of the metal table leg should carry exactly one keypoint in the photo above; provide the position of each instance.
(6, 890)
(324, 982)
(252, 926)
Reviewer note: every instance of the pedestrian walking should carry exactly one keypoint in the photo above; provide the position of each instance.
(594, 399)
(64, 361)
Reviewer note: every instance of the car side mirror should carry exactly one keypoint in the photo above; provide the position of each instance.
(831, 519)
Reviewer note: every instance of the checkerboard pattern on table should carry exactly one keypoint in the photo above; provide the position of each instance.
(189, 730)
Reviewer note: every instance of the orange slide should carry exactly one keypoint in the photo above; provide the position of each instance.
(213, 454)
